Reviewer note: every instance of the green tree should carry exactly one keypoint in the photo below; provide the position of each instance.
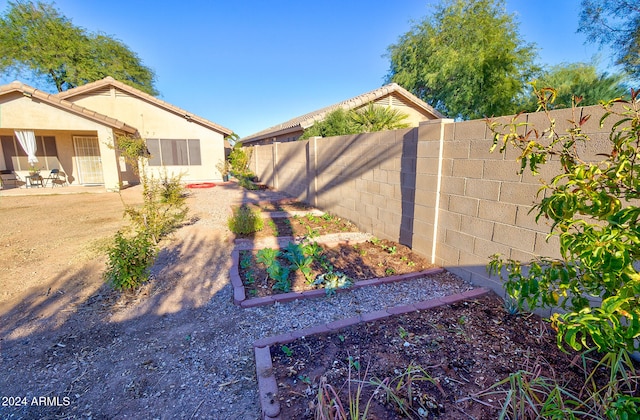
(616, 23)
(38, 40)
(576, 80)
(369, 119)
(466, 59)
(335, 123)
(593, 208)
(374, 118)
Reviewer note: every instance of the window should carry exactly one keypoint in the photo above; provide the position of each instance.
(15, 158)
(174, 152)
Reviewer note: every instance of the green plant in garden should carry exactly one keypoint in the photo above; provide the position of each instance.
(295, 254)
(245, 221)
(592, 206)
(276, 271)
(245, 260)
(331, 281)
(286, 350)
(129, 260)
(273, 227)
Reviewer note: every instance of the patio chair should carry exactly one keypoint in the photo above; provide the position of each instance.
(54, 178)
(8, 176)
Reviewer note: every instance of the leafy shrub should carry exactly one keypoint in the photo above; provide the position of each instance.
(245, 221)
(365, 120)
(593, 209)
(129, 260)
(164, 207)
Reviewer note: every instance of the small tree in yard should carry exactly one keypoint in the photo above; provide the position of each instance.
(163, 210)
(593, 207)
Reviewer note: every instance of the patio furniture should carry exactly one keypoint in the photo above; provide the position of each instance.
(35, 180)
(54, 178)
(8, 176)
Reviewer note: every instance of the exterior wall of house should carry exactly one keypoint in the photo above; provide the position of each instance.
(154, 122)
(435, 188)
(18, 112)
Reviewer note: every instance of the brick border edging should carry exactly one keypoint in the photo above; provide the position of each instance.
(240, 297)
(267, 384)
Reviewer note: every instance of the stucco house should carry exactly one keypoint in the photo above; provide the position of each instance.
(75, 132)
(391, 95)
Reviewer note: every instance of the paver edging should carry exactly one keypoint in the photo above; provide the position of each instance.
(267, 384)
(238, 286)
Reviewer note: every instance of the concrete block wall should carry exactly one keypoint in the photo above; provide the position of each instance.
(437, 188)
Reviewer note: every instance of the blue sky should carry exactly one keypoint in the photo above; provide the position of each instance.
(252, 64)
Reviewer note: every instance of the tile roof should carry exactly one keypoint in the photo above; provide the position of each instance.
(307, 120)
(110, 81)
(58, 102)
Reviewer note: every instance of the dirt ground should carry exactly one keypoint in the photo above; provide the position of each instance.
(71, 347)
(438, 363)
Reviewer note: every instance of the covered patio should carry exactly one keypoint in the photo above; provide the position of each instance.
(67, 138)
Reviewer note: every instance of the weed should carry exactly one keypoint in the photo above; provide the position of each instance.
(312, 233)
(390, 271)
(327, 217)
(329, 404)
(511, 305)
(305, 379)
(401, 390)
(411, 264)
(353, 363)
(273, 227)
(403, 333)
(286, 350)
(341, 338)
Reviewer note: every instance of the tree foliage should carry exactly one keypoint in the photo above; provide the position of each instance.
(616, 23)
(38, 40)
(593, 207)
(467, 59)
(576, 80)
(369, 119)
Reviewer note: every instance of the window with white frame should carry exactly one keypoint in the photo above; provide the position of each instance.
(174, 152)
(15, 158)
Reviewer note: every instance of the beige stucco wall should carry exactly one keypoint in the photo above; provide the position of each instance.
(153, 121)
(19, 112)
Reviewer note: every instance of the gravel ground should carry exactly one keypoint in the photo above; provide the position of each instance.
(179, 348)
(256, 323)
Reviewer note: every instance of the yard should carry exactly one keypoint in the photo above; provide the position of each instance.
(179, 348)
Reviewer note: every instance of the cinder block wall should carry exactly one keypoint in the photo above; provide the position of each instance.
(438, 179)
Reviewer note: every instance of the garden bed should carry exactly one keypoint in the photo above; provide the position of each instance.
(436, 363)
(361, 261)
(284, 220)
